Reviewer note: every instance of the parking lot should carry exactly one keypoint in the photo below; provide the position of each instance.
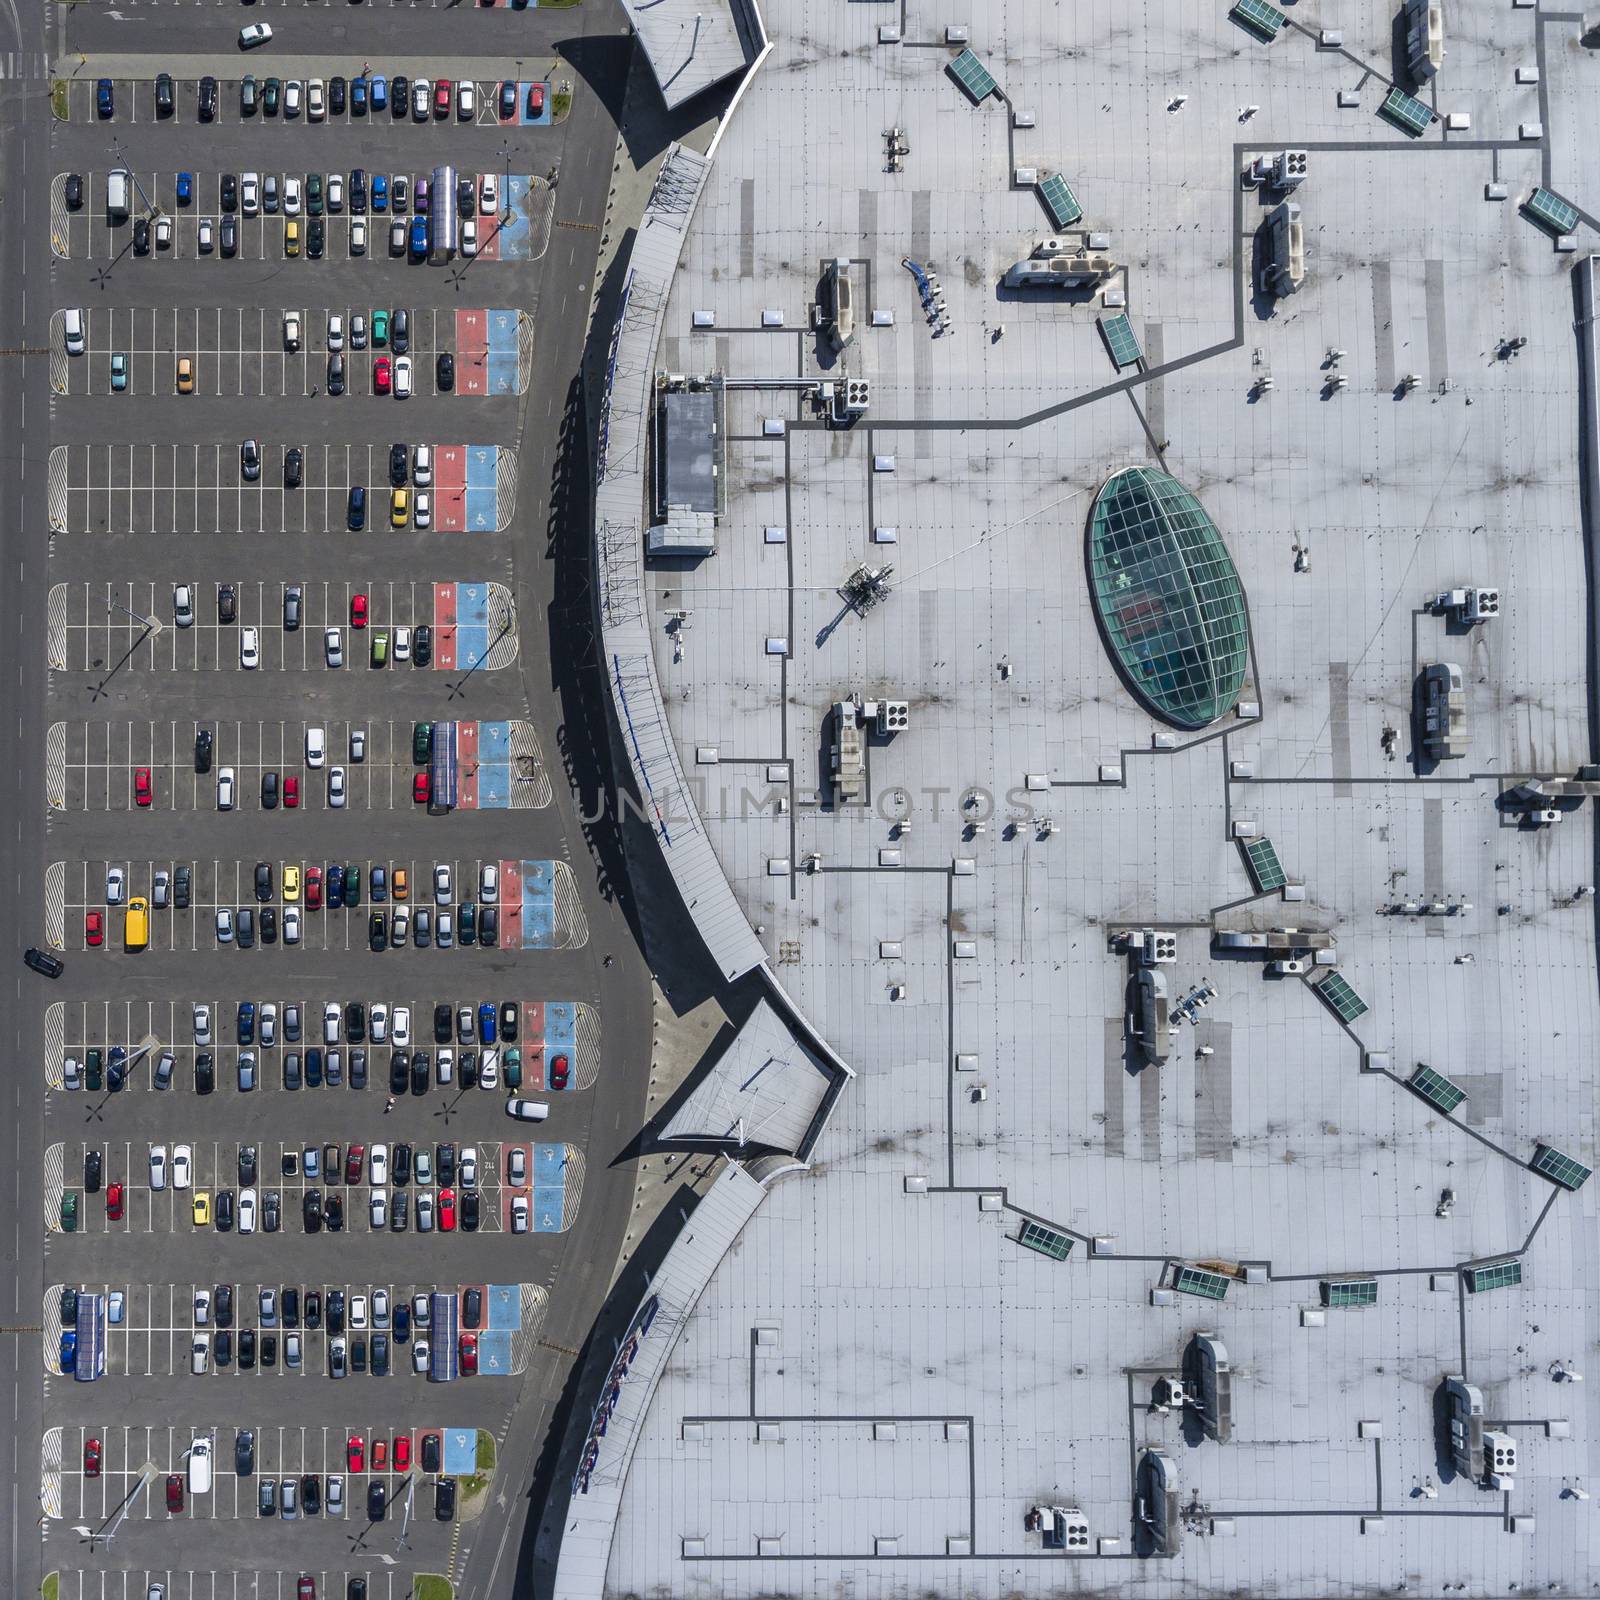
(124, 1583)
(93, 626)
(197, 488)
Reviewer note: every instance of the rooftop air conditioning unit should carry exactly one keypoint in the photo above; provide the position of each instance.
(1293, 968)
(893, 716)
(1482, 604)
(1289, 168)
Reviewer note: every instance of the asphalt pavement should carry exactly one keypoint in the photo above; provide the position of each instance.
(607, 973)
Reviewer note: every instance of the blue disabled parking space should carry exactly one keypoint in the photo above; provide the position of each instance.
(543, 119)
(560, 1032)
(472, 623)
(494, 1354)
(549, 1188)
(538, 905)
(514, 237)
(503, 1306)
(460, 1452)
(494, 761)
(483, 487)
(501, 361)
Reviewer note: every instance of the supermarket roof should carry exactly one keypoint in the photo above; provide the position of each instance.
(693, 44)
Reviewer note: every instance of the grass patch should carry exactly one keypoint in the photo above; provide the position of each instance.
(51, 1587)
(558, 5)
(430, 1586)
(560, 105)
(486, 1455)
(58, 104)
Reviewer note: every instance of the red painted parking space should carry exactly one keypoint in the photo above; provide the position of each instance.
(489, 238)
(444, 627)
(467, 765)
(533, 1045)
(511, 904)
(450, 488)
(472, 352)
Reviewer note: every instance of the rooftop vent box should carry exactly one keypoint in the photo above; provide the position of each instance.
(958, 33)
(771, 318)
(705, 319)
(886, 535)
(916, 1184)
(888, 33)
(694, 1430)
(1255, 1272)
(769, 1433)
(884, 1431)
(1374, 1525)
(694, 1547)
(1222, 1528)
(958, 1545)
(1024, 177)
(1313, 1317)
(688, 534)
(1023, 119)
(769, 1547)
(1163, 1297)
(966, 1061)
(886, 1547)
(956, 1432)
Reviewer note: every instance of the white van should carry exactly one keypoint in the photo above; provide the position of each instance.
(72, 330)
(200, 1466)
(118, 184)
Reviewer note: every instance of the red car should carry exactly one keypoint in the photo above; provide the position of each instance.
(94, 927)
(306, 1589)
(313, 888)
(355, 1454)
(380, 375)
(402, 1452)
(442, 91)
(358, 611)
(291, 791)
(421, 788)
(355, 1158)
(174, 1492)
(535, 99)
(114, 1202)
(91, 1458)
(447, 1210)
(560, 1068)
(380, 1455)
(142, 792)
(469, 1354)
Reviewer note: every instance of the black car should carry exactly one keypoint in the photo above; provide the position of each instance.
(247, 1165)
(222, 1347)
(333, 1213)
(313, 1308)
(422, 646)
(249, 460)
(141, 236)
(293, 598)
(311, 1211)
(294, 463)
(400, 1163)
(311, 1494)
(222, 1305)
(508, 100)
(358, 1068)
(336, 373)
(335, 1311)
(444, 370)
(247, 1349)
(74, 192)
(469, 1069)
(230, 235)
(182, 882)
(227, 603)
(69, 1307)
(430, 1452)
(164, 101)
(471, 1211)
(230, 193)
(358, 192)
(269, 791)
(93, 1167)
(399, 92)
(358, 1352)
(472, 1303)
(355, 1023)
(489, 927)
(509, 1019)
(377, 1500)
(205, 1073)
(378, 932)
(316, 238)
(263, 887)
(355, 515)
(289, 1307)
(224, 1211)
(271, 1211)
(400, 331)
(203, 742)
(291, 1069)
(314, 1067)
(117, 1071)
(444, 1164)
(380, 1355)
(420, 1068)
(442, 1021)
(399, 1071)
(269, 1350)
(336, 96)
(444, 1499)
(402, 1323)
(466, 195)
(269, 925)
(208, 98)
(399, 462)
(244, 928)
(244, 1452)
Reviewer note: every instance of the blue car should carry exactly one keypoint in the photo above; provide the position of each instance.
(358, 97)
(105, 99)
(69, 1351)
(380, 192)
(185, 188)
(380, 91)
(419, 238)
(487, 1020)
(247, 1022)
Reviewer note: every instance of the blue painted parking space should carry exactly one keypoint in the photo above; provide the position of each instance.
(543, 119)
(501, 362)
(494, 1354)
(472, 623)
(560, 1032)
(538, 905)
(549, 1187)
(494, 766)
(482, 506)
(503, 1305)
(460, 1452)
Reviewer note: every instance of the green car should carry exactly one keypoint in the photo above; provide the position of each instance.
(69, 1212)
(119, 371)
(421, 743)
(466, 923)
(270, 91)
(352, 885)
(314, 194)
(513, 1065)
(380, 327)
(380, 647)
(95, 1070)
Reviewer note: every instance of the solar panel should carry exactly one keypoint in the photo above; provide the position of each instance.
(1060, 201)
(1265, 868)
(1436, 1089)
(973, 76)
(1552, 1163)
(1196, 1280)
(1498, 1275)
(1118, 334)
(1551, 211)
(1406, 112)
(1047, 1241)
(1350, 1292)
(1258, 17)
(1342, 1000)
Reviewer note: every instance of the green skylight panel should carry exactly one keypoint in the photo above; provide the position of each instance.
(1340, 1292)
(1551, 211)
(1341, 999)
(1437, 1089)
(1497, 1275)
(1060, 201)
(973, 76)
(1260, 18)
(1262, 858)
(1196, 1280)
(1047, 1241)
(1118, 334)
(1406, 112)
(1552, 1163)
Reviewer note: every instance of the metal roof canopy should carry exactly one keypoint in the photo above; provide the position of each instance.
(1118, 334)
(973, 76)
(1406, 112)
(1059, 201)
(1550, 211)
(1261, 19)
(689, 432)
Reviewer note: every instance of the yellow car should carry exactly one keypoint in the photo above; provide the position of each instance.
(136, 924)
(185, 375)
(291, 237)
(202, 1210)
(291, 882)
(400, 885)
(399, 507)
